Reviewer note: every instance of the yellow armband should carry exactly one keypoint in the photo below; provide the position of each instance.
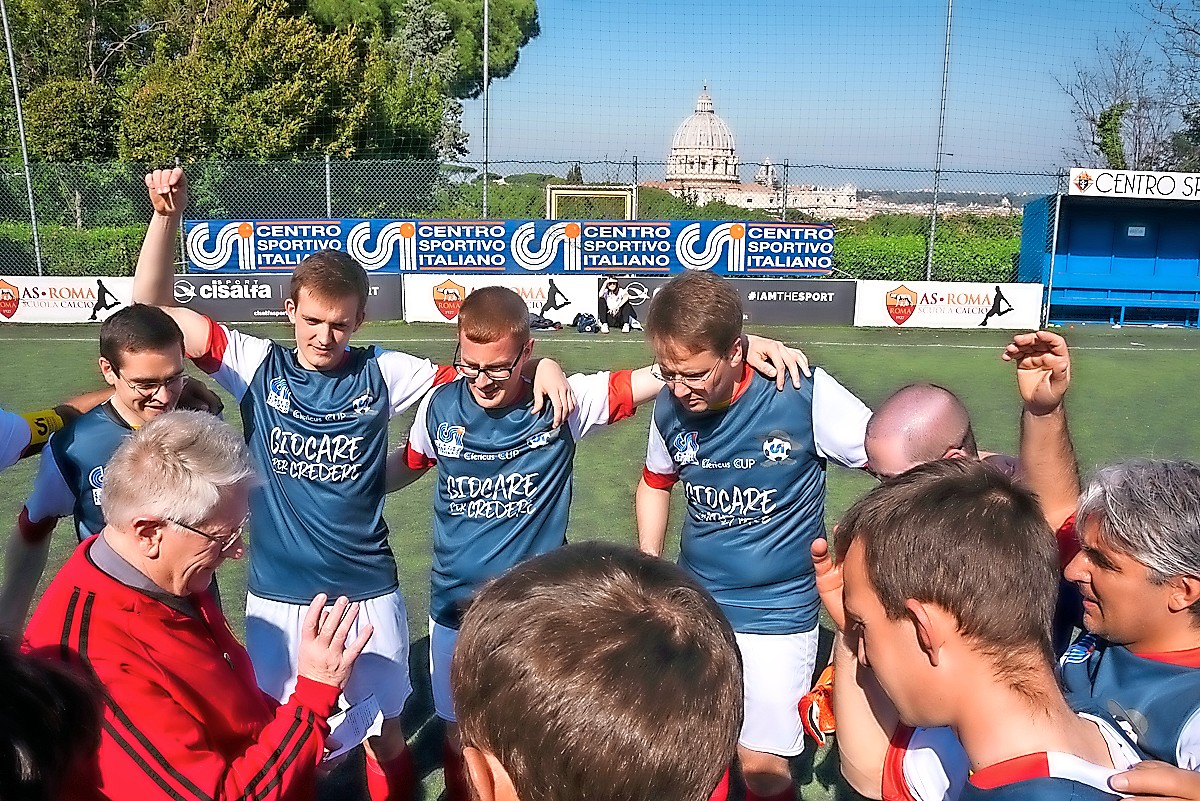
(41, 425)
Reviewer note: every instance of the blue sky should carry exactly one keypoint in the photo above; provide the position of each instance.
(855, 82)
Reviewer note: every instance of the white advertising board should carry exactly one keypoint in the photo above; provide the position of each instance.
(1095, 182)
(436, 298)
(938, 304)
(30, 299)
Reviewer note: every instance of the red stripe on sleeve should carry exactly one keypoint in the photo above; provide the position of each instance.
(620, 395)
(444, 375)
(417, 460)
(210, 361)
(1068, 542)
(895, 786)
(659, 480)
(32, 532)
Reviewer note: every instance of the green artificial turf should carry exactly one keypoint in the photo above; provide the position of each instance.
(1133, 394)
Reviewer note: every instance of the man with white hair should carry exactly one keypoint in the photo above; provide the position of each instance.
(184, 717)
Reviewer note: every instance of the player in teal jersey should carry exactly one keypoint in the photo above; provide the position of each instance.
(752, 463)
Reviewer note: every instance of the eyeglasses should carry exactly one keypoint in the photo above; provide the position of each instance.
(148, 389)
(689, 381)
(224, 541)
(471, 372)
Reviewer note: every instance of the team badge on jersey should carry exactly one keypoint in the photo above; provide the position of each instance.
(279, 395)
(449, 442)
(686, 445)
(96, 479)
(777, 447)
(362, 404)
(1079, 652)
(543, 439)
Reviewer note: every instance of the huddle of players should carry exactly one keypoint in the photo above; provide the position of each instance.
(752, 460)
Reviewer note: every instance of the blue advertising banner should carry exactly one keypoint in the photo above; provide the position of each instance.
(516, 247)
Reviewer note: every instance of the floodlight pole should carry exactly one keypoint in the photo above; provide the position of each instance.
(12, 69)
(486, 118)
(937, 165)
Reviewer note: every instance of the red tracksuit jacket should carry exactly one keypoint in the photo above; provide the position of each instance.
(183, 717)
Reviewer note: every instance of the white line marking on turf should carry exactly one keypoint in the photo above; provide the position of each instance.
(433, 341)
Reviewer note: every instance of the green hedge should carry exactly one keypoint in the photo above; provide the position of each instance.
(71, 251)
(902, 257)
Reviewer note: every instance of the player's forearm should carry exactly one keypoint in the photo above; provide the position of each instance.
(398, 472)
(1048, 464)
(644, 386)
(862, 738)
(24, 563)
(153, 280)
(652, 507)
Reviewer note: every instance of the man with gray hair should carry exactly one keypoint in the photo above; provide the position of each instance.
(184, 717)
(1137, 567)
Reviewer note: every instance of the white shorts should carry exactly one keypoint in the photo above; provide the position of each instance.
(776, 673)
(441, 651)
(273, 640)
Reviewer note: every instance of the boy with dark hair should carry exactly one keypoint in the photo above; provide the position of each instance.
(950, 579)
(504, 476)
(316, 420)
(595, 673)
(752, 462)
(141, 358)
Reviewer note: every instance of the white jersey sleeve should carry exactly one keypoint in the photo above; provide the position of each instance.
(1187, 750)
(658, 458)
(925, 765)
(601, 399)
(232, 358)
(408, 378)
(839, 421)
(418, 435)
(14, 438)
(51, 496)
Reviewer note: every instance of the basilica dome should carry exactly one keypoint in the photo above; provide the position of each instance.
(703, 148)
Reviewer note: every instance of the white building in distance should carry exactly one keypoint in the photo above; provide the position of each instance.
(703, 167)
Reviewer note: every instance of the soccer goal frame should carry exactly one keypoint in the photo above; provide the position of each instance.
(627, 192)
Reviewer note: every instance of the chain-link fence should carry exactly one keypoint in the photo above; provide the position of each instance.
(91, 217)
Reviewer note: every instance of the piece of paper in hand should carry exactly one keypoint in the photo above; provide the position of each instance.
(348, 729)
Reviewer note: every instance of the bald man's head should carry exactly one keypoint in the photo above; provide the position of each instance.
(918, 423)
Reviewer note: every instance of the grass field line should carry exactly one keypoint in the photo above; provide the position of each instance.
(818, 343)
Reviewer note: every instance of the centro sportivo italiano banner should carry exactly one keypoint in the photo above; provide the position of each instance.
(32, 299)
(939, 304)
(516, 247)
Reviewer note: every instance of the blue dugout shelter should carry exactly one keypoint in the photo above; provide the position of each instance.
(1120, 246)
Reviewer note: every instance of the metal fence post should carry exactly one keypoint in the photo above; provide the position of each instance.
(328, 192)
(12, 69)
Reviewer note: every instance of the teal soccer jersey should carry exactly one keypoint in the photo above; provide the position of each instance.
(70, 477)
(319, 440)
(930, 765)
(753, 477)
(504, 479)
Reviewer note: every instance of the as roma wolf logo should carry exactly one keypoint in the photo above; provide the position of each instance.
(901, 303)
(10, 299)
(448, 297)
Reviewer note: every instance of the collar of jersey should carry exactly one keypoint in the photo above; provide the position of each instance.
(1189, 657)
(739, 389)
